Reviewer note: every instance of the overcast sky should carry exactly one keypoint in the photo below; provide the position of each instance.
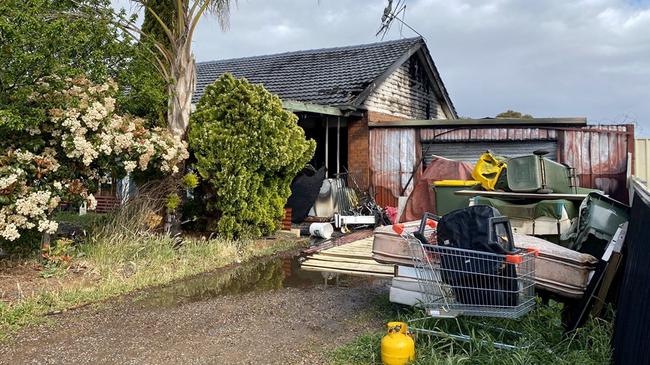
(548, 58)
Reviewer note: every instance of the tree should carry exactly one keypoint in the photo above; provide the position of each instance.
(174, 59)
(86, 141)
(36, 42)
(248, 149)
(511, 114)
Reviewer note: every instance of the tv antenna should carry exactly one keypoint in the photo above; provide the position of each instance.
(392, 14)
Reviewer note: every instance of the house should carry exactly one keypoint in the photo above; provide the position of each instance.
(381, 111)
(338, 92)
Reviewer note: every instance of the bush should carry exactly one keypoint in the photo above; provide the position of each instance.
(247, 150)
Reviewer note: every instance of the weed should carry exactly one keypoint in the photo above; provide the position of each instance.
(541, 330)
(121, 262)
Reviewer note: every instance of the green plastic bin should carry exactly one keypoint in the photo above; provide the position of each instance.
(446, 200)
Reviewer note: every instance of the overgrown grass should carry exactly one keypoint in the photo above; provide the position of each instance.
(118, 262)
(541, 331)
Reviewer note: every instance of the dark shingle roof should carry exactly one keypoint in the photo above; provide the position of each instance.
(329, 76)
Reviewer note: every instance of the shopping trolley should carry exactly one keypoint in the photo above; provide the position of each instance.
(460, 282)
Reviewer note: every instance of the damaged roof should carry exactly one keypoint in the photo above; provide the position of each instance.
(329, 76)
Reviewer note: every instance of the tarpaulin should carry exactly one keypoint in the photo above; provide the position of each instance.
(422, 199)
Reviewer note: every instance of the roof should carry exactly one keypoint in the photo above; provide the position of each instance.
(340, 76)
(485, 122)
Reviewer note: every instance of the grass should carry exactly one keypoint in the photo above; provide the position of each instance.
(116, 262)
(541, 330)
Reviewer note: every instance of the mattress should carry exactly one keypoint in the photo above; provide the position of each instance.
(408, 291)
(403, 296)
(558, 269)
(389, 247)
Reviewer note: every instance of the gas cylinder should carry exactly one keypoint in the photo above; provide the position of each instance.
(397, 347)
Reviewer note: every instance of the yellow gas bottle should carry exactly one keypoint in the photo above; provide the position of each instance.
(397, 347)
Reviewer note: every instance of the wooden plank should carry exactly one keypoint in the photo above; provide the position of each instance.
(359, 250)
(350, 256)
(349, 272)
(343, 259)
(325, 266)
(501, 194)
(361, 267)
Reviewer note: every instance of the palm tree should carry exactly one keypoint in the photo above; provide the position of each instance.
(173, 57)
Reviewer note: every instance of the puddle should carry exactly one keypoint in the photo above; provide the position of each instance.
(262, 274)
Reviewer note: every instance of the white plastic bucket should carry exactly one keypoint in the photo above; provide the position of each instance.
(323, 230)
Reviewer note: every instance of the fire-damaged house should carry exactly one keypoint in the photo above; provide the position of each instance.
(338, 92)
(382, 112)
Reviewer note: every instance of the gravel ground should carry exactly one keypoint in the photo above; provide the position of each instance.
(283, 326)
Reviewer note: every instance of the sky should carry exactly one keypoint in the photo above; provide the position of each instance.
(548, 58)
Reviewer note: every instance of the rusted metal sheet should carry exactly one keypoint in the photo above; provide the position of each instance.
(487, 134)
(598, 153)
(394, 154)
(600, 156)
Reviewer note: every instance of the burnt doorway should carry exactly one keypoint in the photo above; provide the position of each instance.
(331, 136)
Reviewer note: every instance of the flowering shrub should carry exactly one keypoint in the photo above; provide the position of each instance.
(248, 149)
(82, 140)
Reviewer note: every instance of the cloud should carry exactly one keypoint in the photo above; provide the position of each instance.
(546, 57)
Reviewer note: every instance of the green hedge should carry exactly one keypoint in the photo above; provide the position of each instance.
(247, 150)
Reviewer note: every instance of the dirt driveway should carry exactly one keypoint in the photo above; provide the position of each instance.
(213, 319)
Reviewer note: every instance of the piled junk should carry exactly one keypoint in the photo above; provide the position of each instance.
(575, 233)
(318, 202)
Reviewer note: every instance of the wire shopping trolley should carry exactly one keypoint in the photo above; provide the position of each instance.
(463, 282)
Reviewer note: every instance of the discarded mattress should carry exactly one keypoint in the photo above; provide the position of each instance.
(547, 217)
(389, 247)
(558, 269)
(406, 289)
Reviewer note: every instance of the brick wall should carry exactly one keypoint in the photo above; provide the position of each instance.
(358, 163)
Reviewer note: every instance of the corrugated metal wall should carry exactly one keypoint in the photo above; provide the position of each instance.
(470, 151)
(394, 153)
(642, 159)
(599, 153)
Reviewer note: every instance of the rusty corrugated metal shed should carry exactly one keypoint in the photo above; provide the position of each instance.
(598, 153)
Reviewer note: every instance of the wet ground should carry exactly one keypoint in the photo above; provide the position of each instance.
(267, 312)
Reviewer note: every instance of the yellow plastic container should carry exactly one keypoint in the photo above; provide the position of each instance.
(488, 169)
(463, 183)
(397, 347)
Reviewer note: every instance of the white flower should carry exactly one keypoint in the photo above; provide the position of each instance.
(10, 232)
(129, 166)
(109, 103)
(7, 181)
(54, 202)
(47, 226)
(91, 202)
(57, 185)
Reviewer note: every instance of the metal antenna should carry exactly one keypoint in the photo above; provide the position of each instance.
(392, 14)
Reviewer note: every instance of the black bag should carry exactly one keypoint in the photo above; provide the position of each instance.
(476, 278)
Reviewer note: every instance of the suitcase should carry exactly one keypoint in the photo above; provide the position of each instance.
(558, 269)
(389, 247)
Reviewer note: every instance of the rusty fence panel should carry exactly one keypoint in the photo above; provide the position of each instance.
(599, 153)
(393, 154)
